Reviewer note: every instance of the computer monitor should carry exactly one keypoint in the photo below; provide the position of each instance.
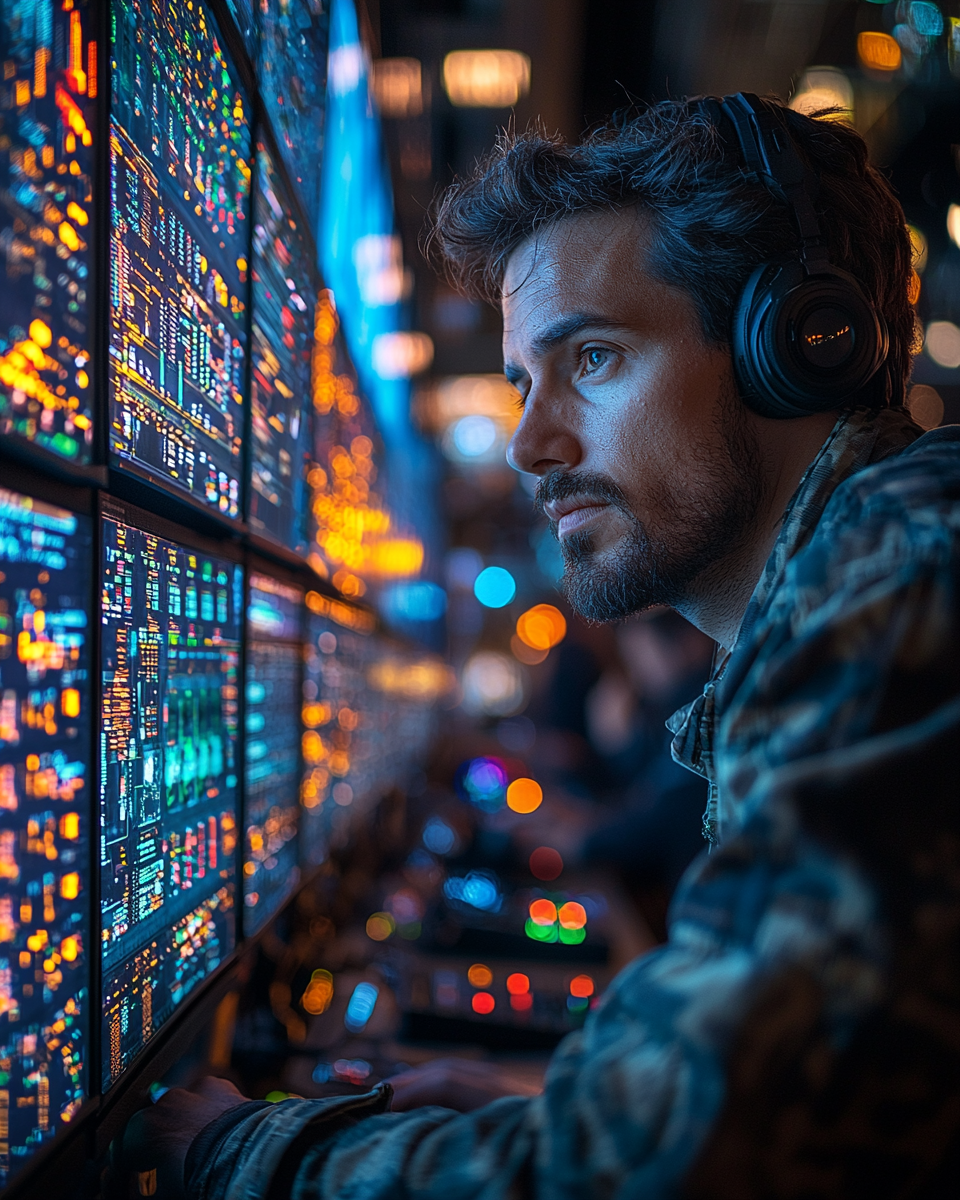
(272, 762)
(46, 164)
(291, 72)
(284, 299)
(339, 751)
(170, 662)
(179, 212)
(45, 827)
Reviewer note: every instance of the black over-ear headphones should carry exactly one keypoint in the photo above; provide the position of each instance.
(805, 337)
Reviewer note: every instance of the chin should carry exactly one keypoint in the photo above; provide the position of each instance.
(610, 585)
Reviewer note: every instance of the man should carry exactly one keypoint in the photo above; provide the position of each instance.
(799, 1035)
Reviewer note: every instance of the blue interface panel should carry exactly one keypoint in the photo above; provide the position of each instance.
(45, 598)
(292, 73)
(179, 200)
(170, 650)
(271, 818)
(48, 103)
(284, 299)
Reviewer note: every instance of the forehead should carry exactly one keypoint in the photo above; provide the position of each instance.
(580, 262)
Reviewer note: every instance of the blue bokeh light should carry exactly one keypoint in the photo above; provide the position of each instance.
(495, 587)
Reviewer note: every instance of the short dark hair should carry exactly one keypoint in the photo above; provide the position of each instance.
(711, 223)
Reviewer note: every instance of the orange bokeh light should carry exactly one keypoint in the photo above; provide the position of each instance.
(483, 1003)
(518, 984)
(524, 795)
(480, 976)
(542, 627)
(582, 986)
(878, 51)
(572, 915)
(543, 912)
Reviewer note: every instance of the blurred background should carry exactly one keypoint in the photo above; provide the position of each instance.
(537, 849)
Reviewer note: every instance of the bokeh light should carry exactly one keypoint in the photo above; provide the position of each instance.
(953, 224)
(492, 685)
(542, 627)
(518, 984)
(483, 781)
(524, 796)
(545, 863)
(521, 1002)
(526, 654)
(572, 915)
(878, 51)
(483, 1003)
(380, 926)
(942, 343)
(480, 976)
(582, 986)
(486, 78)
(319, 992)
(918, 244)
(360, 1006)
(543, 912)
(494, 587)
(478, 889)
(474, 436)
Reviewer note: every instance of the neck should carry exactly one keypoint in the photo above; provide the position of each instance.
(717, 599)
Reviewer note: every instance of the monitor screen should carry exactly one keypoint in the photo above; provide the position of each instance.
(179, 206)
(292, 73)
(45, 602)
(46, 162)
(271, 816)
(170, 651)
(284, 299)
(339, 753)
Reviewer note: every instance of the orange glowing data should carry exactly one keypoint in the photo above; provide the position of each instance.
(353, 538)
(48, 96)
(45, 826)
(179, 237)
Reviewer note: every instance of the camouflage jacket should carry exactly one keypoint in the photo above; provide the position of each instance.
(799, 1034)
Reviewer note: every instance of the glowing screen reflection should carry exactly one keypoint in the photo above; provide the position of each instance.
(168, 779)
(48, 102)
(179, 200)
(271, 817)
(284, 299)
(44, 822)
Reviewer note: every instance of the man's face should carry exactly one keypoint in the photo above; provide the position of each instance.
(649, 467)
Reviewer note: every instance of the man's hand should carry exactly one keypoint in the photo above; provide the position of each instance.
(157, 1138)
(459, 1083)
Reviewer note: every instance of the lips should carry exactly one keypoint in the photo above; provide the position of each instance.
(573, 512)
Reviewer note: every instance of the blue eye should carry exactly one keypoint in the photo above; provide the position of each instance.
(595, 359)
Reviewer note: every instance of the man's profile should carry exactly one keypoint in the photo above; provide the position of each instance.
(799, 1033)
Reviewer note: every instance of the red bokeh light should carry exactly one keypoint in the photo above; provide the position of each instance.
(545, 863)
(582, 986)
(522, 1003)
(518, 984)
(483, 1003)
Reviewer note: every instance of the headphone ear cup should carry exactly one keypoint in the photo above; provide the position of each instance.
(804, 344)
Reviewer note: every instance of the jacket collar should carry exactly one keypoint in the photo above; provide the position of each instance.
(860, 437)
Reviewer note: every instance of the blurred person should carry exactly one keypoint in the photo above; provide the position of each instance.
(799, 1033)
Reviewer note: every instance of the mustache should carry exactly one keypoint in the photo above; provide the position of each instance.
(559, 485)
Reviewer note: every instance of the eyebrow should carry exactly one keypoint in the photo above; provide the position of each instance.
(560, 331)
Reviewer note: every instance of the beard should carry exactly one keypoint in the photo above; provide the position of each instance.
(698, 526)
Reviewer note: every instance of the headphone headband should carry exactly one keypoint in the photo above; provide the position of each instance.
(770, 154)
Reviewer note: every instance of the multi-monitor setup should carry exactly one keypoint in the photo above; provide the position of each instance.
(184, 714)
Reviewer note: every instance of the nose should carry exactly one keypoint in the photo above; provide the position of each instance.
(543, 441)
